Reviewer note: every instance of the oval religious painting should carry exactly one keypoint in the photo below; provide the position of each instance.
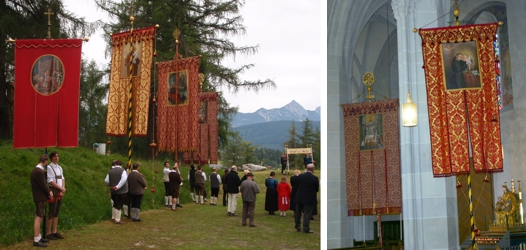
(47, 74)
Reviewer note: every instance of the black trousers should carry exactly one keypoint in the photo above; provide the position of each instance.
(307, 215)
(225, 200)
(118, 200)
(136, 201)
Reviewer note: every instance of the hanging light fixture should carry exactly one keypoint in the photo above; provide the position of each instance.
(409, 113)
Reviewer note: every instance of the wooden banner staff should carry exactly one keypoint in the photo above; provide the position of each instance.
(130, 93)
(130, 100)
(176, 34)
(456, 13)
(153, 145)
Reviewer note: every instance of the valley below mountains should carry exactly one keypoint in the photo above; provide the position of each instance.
(269, 128)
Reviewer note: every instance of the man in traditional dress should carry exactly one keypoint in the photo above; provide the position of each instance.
(55, 179)
(215, 182)
(175, 184)
(116, 180)
(41, 193)
(167, 196)
(200, 179)
(136, 184)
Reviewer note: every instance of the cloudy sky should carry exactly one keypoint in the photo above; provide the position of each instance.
(289, 39)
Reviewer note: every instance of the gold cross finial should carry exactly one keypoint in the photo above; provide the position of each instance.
(48, 13)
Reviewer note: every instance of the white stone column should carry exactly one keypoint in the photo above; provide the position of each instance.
(429, 204)
(339, 224)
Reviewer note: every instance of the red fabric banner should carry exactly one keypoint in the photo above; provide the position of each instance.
(372, 158)
(459, 64)
(118, 99)
(178, 102)
(47, 76)
(209, 142)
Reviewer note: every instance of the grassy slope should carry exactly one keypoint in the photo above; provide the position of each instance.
(86, 210)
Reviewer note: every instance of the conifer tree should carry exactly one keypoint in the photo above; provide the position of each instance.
(205, 27)
(92, 113)
(25, 19)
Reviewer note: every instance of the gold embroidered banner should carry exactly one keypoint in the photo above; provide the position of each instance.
(459, 64)
(140, 54)
(372, 158)
(178, 101)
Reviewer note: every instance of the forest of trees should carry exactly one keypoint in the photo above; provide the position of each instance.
(205, 30)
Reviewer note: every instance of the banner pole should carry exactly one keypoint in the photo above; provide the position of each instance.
(130, 103)
(130, 93)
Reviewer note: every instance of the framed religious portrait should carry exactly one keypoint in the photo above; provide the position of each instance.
(461, 65)
(47, 74)
(131, 55)
(371, 136)
(178, 88)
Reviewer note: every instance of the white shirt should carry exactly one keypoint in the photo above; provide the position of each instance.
(218, 178)
(124, 177)
(55, 173)
(166, 172)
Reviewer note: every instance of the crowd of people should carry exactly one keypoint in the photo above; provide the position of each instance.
(49, 186)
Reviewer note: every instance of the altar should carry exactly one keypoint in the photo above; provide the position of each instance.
(507, 231)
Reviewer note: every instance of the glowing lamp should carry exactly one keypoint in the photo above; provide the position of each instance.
(409, 113)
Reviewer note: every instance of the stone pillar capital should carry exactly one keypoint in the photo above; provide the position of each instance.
(402, 8)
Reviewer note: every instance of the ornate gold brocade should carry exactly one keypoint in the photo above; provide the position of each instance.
(451, 113)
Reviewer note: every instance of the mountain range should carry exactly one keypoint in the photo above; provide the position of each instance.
(290, 112)
(269, 128)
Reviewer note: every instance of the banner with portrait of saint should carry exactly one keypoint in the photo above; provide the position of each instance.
(461, 82)
(372, 158)
(135, 58)
(46, 103)
(178, 103)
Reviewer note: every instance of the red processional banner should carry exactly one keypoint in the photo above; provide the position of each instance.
(47, 77)
(136, 57)
(372, 158)
(461, 76)
(178, 103)
(208, 131)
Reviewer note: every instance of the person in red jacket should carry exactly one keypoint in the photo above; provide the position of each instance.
(283, 196)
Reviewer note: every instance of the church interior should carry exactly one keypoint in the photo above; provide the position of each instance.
(376, 55)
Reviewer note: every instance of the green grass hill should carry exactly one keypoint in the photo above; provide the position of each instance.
(87, 198)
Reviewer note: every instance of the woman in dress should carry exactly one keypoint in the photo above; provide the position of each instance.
(283, 196)
(271, 198)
